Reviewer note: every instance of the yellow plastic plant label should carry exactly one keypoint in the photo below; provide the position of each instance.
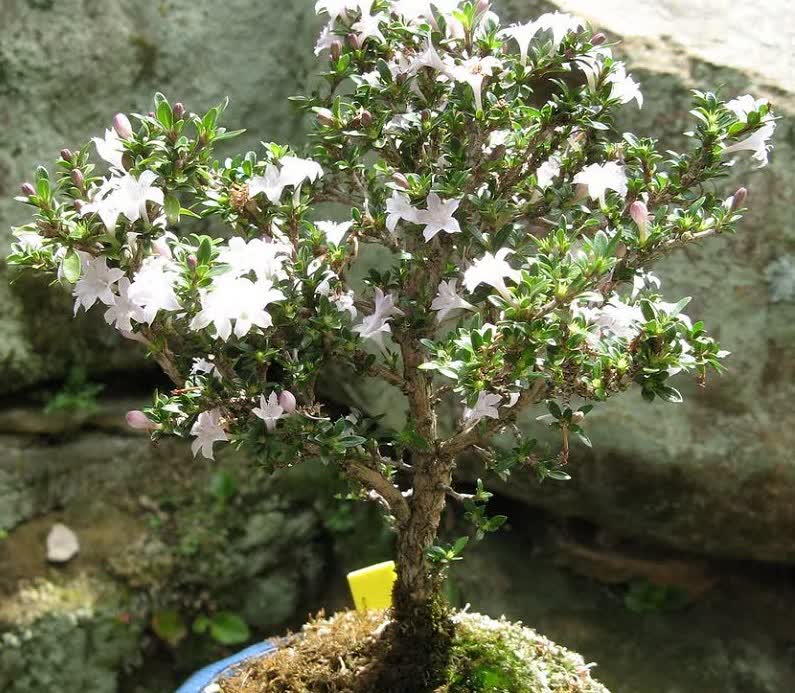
(371, 587)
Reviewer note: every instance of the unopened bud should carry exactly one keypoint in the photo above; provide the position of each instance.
(138, 420)
(598, 39)
(28, 190)
(178, 110)
(77, 178)
(66, 154)
(400, 180)
(78, 205)
(325, 117)
(192, 261)
(354, 41)
(577, 417)
(482, 7)
(287, 401)
(739, 198)
(121, 124)
(335, 50)
(621, 250)
(366, 118)
(640, 215)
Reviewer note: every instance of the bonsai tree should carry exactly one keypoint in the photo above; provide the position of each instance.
(519, 227)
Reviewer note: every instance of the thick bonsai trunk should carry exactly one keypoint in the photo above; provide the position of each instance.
(420, 636)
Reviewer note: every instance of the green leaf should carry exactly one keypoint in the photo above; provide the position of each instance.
(71, 266)
(228, 628)
(169, 626)
(205, 252)
(172, 208)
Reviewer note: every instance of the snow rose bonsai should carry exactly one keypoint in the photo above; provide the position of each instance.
(520, 228)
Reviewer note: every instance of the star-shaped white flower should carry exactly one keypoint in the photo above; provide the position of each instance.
(438, 216)
(296, 170)
(336, 8)
(624, 88)
(368, 24)
(95, 283)
(126, 195)
(325, 40)
(472, 72)
(448, 300)
(235, 299)
(429, 57)
(344, 303)
(547, 172)
(599, 178)
(412, 11)
(486, 406)
(207, 430)
(124, 309)
(559, 24)
(110, 148)
(492, 270)
(334, 231)
(269, 410)
(263, 257)
(28, 240)
(399, 207)
(153, 287)
(523, 34)
(375, 326)
(616, 317)
(270, 183)
(758, 143)
(205, 367)
(744, 105)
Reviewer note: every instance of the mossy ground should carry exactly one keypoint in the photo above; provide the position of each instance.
(489, 656)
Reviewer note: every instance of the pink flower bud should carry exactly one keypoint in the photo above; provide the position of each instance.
(366, 118)
(287, 401)
(482, 7)
(77, 178)
(66, 154)
(121, 124)
(178, 110)
(739, 199)
(325, 117)
(193, 261)
(138, 420)
(598, 39)
(400, 180)
(354, 41)
(27, 189)
(640, 215)
(335, 49)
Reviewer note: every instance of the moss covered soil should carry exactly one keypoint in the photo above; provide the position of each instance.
(335, 655)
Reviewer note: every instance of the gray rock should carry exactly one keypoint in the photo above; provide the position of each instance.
(62, 544)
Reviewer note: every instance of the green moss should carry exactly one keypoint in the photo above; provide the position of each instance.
(491, 656)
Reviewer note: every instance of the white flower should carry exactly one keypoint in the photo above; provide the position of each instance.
(270, 183)
(412, 10)
(547, 172)
(153, 287)
(744, 105)
(448, 300)
(438, 216)
(472, 72)
(344, 303)
(428, 58)
(207, 431)
(336, 8)
(95, 283)
(269, 410)
(616, 317)
(643, 280)
(523, 34)
(375, 326)
(492, 270)
(624, 87)
(205, 367)
(757, 142)
(265, 258)
(124, 309)
(28, 240)
(111, 148)
(599, 178)
(324, 41)
(333, 231)
(399, 207)
(486, 406)
(559, 24)
(368, 24)
(296, 170)
(235, 299)
(125, 195)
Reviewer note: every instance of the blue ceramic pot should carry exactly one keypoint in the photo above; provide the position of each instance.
(210, 674)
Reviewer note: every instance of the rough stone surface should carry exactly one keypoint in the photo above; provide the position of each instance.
(66, 67)
(62, 544)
